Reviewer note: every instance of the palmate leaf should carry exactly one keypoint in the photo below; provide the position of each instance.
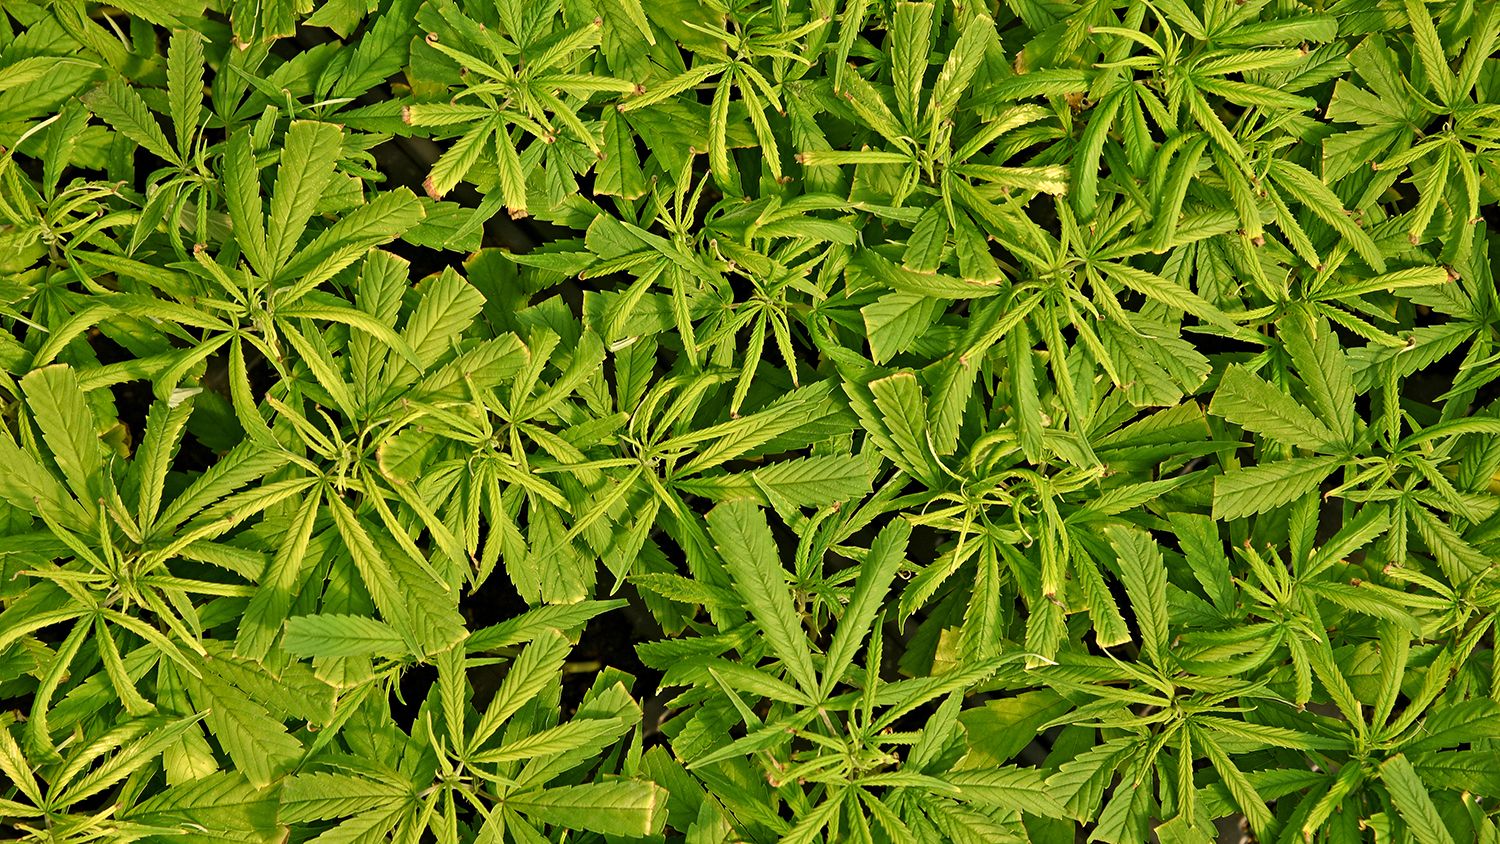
(185, 85)
(122, 108)
(322, 796)
(273, 599)
(887, 554)
(1020, 789)
(258, 745)
(1257, 406)
(1145, 577)
(341, 635)
(67, 425)
(1323, 203)
(743, 539)
(633, 809)
(242, 197)
(532, 670)
(1245, 492)
(225, 804)
(308, 156)
(1413, 802)
(332, 512)
(896, 321)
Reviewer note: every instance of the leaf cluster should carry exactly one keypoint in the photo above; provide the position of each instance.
(749, 420)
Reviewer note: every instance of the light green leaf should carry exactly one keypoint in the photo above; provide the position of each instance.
(1145, 577)
(1319, 199)
(1018, 789)
(1255, 405)
(330, 636)
(122, 108)
(743, 539)
(62, 413)
(625, 807)
(895, 321)
(1244, 492)
(887, 555)
(1413, 802)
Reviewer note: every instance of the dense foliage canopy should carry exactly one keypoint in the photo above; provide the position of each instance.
(749, 420)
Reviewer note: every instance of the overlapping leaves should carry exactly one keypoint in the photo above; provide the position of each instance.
(802, 421)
